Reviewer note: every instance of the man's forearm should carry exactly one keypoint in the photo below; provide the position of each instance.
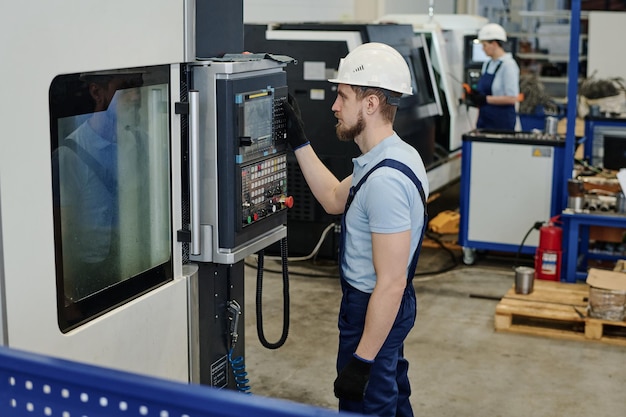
(382, 311)
(327, 189)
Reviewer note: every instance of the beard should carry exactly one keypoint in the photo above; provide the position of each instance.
(347, 134)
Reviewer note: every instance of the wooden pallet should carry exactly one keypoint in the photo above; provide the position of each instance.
(556, 309)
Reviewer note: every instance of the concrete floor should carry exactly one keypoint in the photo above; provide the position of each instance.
(459, 365)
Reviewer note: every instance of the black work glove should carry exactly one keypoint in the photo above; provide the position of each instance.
(295, 127)
(476, 99)
(352, 380)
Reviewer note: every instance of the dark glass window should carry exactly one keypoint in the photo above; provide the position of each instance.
(111, 188)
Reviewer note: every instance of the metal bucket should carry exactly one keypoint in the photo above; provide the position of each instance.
(524, 279)
(551, 125)
(576, 194)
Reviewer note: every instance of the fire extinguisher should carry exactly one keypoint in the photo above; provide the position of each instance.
(548, 254)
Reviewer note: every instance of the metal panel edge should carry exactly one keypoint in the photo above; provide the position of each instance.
(193, 326)
(3, 312)
(189, 15)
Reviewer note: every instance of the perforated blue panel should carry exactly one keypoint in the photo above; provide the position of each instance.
(33, 385)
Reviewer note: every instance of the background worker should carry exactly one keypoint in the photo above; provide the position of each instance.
(498, 87)
(384, 215)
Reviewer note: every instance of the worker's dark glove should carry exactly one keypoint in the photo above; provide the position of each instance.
(295, 127)
(474, 98)
(353, 379)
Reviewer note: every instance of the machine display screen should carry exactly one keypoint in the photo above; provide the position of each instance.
(614, 152)
(478, 53)
(474, 55)
(609, 147)
(111, 188)
(256, 112)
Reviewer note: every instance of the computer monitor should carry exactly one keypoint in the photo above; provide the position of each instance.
(614, 152)
(609, 147)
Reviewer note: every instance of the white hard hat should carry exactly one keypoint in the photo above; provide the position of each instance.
(375, 65)
(492, 32)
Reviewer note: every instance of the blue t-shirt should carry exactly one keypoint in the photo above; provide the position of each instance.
(388, 202)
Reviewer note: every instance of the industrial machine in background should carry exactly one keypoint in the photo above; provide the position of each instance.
(445, 36)
(318, 48)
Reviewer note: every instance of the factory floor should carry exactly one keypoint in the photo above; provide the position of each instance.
(460, 366)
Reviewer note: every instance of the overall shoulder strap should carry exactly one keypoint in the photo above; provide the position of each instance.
(392, 163)
(497, 68)
(91, 162)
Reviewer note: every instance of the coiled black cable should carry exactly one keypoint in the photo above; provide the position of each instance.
(259, 297)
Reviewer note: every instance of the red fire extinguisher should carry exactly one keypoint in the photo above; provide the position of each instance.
(548, 254)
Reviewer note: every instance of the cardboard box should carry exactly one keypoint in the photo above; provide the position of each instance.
(609, 280)
(607, 294)
(620, 266)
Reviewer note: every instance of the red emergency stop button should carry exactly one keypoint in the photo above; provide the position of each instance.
(288, 201)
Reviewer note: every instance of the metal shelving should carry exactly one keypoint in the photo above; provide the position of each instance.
(556, 86)
(576, 225)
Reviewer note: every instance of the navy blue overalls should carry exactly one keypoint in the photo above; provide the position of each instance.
(491, 116)
(389, 389)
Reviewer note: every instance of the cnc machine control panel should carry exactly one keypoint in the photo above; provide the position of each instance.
(242, 157)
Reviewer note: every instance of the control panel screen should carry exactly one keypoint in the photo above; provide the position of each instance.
(256, 111)
(478, 53)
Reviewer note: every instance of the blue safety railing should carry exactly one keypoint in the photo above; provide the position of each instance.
(33, 385)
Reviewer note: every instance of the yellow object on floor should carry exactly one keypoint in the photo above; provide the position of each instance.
(446, 222)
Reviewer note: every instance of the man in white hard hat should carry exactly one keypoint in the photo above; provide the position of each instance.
(383, 204)
(498, 87)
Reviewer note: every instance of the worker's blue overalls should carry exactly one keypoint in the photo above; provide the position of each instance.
(491, 116)
(388, 391)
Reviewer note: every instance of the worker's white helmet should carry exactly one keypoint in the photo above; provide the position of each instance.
(492, 32)
(375, 65)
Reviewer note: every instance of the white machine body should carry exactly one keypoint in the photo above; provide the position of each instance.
(42, 40)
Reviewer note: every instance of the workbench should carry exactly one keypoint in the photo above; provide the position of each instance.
(576, 241)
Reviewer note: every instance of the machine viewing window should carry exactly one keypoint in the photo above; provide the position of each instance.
(425, 93)
(111, 188)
